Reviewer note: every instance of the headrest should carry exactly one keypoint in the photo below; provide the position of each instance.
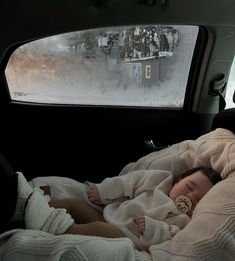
(224, 119)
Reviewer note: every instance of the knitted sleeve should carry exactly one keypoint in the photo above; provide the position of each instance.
(40, 216)
(157, 231)
(130, 185)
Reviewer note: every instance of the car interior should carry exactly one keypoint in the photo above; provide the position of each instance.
(184, 49)
(90, 142)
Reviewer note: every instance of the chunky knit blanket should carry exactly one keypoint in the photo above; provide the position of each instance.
(33, 245)
(208, 236)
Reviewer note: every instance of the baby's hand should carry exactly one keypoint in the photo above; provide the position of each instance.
(140, 224)
(94, 195)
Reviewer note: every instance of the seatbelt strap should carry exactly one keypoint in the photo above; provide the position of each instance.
(217, 87)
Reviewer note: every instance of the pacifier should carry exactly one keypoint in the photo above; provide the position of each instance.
(183, 204)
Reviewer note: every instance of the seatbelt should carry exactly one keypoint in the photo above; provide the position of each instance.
(217, 87)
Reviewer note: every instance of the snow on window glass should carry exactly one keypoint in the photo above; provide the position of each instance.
(121, 66)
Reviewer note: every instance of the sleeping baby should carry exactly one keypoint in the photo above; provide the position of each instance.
(147, 206)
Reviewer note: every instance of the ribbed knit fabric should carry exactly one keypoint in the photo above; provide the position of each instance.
(215, 149)
(30, 245)
(40, 216)
(147, 191)
(33, 210)
(62, 187)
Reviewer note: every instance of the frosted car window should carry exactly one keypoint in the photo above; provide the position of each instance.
(120, 66)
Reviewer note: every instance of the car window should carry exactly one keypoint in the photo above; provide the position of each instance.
(120, 66)
(230, 87)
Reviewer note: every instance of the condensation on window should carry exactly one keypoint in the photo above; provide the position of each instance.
(123, 66)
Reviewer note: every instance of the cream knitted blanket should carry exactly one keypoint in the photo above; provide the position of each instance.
(208, 236)
(215, 149)
(33, 245)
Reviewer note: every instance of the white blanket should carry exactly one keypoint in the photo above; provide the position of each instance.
(32, 245)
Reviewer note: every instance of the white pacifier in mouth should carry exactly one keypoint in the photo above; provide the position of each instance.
(183, 203)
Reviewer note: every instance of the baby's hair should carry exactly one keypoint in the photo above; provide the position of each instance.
(210, 173)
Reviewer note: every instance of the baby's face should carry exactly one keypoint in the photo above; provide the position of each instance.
(194, 186)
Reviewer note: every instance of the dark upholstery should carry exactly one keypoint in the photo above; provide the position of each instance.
(224, 119)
